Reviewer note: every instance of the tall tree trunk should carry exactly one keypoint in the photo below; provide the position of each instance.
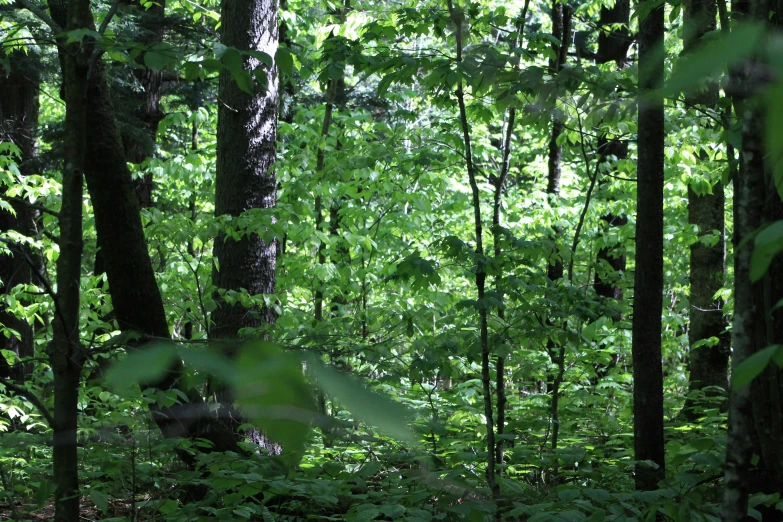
(500, 382)
(136, 299)
(613, 46)
(246, 148)
(747, 327)
(561, 30)
(66, 354)
(648, 276)
(708, 363)
(755, 411)
(19, 125)
(458, 20)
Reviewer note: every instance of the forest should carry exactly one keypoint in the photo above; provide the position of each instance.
(405, 260)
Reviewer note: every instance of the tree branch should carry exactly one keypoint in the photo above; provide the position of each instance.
(30, 397)
(97, 52)
(41, 14)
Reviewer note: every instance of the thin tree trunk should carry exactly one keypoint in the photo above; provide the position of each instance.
(708, 364)
(246, 148)
(481, 276)
(561, 30)
(648, 276)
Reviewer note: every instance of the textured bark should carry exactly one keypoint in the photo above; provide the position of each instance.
(147, 102)
(648, 276)
(613, 46)
(136, 299)
(708, 364)
(246, 148)
(561, 30)
(66, 354)
(747, 327)
(19, 125)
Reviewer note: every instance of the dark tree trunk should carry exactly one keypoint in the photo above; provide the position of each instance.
(612, 47)
(747, 327)
(246, 148)
(648, 276)
(136, 299)
(755, 411)
(561, 30)
(66, 354)
(500, 379)
(147, 102)
(708, 363)
(19, 125)
(457, 18)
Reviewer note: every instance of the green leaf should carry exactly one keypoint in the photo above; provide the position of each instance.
(45, 490)
(147, 364)
(386, 415)
(768, 243)
(752, 367)
(271, 389)
(156, 61)
(285, 62)
(100, 500)
(713, 55)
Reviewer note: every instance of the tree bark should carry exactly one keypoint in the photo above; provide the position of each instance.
(246, 148)
(19, 124)
(612, 47)
(561, 30)
(708, 364)
(66, 354)
(755, 411)
(136, 299)
(648, 276)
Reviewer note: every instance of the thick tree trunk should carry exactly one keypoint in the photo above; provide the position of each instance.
(136, 299)
(246, 148)
(19, 125)
(648, 276)
(709, 363)
(147, 102)
(747, 328)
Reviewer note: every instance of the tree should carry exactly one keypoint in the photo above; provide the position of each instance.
(245, 182)
(707, 336)
(613, 43)
(19, 110)
(136, 298)
(648, 275)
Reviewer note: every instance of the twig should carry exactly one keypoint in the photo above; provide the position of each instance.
(32, 398)
(96, 53)
(582, 215)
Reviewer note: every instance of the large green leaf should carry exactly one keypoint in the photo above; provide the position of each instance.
(752, 367)
(143, 365)
(713, 55)
(385, 414)
(271, 390)
(768, 243)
